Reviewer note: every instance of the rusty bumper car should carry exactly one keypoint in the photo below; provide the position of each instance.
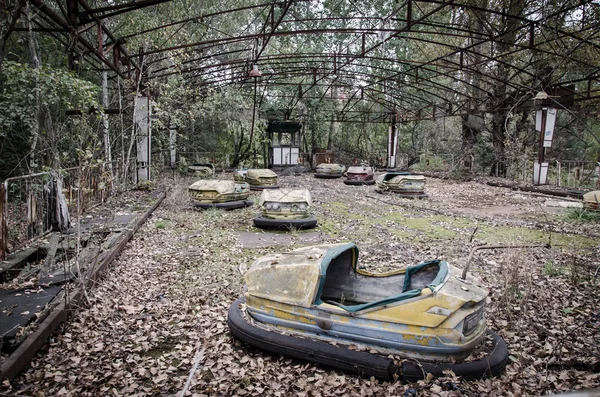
(360, 175)
(316, 304)
(591, 200)
(285, 209)
(258, 179)
(226, 195)
(402, 184)
(202, 170)
(329, 171)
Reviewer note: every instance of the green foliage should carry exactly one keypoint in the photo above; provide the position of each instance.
(56, 88)
(28, 93)
(582, 215)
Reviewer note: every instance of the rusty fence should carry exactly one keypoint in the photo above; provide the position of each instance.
(565, 173)
(26, 202)
(572, 174)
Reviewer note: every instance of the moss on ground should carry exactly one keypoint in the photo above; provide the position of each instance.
(406, 226)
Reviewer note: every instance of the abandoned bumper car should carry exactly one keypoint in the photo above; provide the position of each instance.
(402, 184)
(316, 304)
(227, 195)
(591, 200)
(360, 175)
(202, 170)
(285, 209)
(258, 179)
(329, 170)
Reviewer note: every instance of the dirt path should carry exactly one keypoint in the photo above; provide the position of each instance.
(166, 298)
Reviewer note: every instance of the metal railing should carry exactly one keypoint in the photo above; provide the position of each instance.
(564, 173)
(26, 201)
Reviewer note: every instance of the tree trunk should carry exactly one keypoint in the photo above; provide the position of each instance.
(501, 101)
(331, 131)
(105, 125)
(313, 141)
(469, 132)
(498, 137)
(237, 148)
(7, 25)
(469, 140)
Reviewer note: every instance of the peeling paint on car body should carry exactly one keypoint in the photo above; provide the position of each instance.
(289, 203)
(402, 183)
(358, 174)
(218, 191)
(591, 200)
(260, 177)
(202, 170)
(285, 291)
(330, 170)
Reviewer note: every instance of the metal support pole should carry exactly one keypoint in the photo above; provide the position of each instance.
(3, 226)
(392, 143)
(541, 149)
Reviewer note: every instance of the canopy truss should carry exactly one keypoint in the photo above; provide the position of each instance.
(409, 59)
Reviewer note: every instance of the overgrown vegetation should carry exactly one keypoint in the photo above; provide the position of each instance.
(460, 101)
(583, 215)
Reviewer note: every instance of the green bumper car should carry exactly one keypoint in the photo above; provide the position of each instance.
(317, 304)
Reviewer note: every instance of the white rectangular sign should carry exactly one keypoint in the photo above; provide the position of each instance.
(549, 130)
(142, 121)
(540, 174)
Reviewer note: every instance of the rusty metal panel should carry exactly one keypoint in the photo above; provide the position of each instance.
(320, 158)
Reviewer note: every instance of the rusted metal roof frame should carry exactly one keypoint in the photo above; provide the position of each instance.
(431, 41)
(301, 71)
(292, 59)
(288, 74)
(530, 24)
(116, 9)
(366, 51)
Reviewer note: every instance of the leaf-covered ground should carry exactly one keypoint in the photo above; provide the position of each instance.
(163, 303)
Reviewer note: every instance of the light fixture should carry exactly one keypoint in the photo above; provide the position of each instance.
(255, 72)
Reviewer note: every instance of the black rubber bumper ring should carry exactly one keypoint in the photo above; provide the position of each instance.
(267, 223)
(360, 362)
(358, 183)
(229, 205)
